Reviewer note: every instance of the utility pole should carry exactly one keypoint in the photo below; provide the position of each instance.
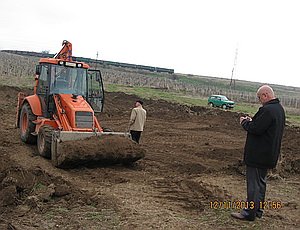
(96, 60)
(233, 68)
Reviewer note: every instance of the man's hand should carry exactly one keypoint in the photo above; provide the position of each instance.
(245, 118)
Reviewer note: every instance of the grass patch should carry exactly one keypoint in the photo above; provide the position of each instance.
(49, 215)
(38, 186)
(250, 109)
(103, 215)
(293, 119)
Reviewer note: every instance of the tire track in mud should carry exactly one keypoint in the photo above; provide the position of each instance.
(135, 200)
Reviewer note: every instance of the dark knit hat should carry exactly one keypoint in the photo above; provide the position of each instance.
(141, 102)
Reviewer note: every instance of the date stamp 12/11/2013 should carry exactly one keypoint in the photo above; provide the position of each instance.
(240, 204)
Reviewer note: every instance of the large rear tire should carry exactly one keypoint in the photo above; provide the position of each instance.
(27, 127)
(44, 141)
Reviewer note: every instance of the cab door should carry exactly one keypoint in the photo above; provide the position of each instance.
(43, 73)
(218, 101)
(95, 95)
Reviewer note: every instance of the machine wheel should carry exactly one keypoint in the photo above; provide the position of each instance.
(44, 141)
(224, 106)
(27, 127)
(211, 104)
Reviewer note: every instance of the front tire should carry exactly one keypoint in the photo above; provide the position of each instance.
(224, 106)
(210, 104)
(27, 127)
(44, 141)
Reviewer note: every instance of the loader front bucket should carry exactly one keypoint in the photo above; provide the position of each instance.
(71, 149)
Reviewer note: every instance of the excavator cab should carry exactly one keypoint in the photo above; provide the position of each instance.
(63, 79)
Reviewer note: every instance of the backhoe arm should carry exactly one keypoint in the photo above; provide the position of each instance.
(66, 52)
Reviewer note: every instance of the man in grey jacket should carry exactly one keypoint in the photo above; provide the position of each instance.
(137, 121)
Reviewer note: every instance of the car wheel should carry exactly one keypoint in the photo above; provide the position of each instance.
(224, 106)
(211, 104)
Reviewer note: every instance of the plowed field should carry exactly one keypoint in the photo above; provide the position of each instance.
(193, 158)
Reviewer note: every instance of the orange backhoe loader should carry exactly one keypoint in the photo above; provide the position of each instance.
(60, 115)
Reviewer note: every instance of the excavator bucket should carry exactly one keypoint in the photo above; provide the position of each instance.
(70, 149)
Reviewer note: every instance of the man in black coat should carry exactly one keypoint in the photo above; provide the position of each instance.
(262, 149)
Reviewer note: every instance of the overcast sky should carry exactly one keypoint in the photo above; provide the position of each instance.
(192, 36)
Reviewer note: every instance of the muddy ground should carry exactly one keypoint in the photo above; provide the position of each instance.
(193, 158)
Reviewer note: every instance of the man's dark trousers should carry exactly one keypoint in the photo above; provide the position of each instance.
(256, 190)
(135, 135)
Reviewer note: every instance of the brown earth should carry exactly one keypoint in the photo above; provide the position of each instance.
(98, 150)
(193, 158)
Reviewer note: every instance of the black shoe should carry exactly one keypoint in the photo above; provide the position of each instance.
(258, 215)
(239, 216)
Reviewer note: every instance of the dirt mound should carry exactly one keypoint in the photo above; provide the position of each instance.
(19, 186)
(34, 194)
(289, 165)
(117, 104)
(26, 194)
(106, 149)
(289, 161)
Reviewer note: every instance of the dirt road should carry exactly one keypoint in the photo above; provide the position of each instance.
(193, 158)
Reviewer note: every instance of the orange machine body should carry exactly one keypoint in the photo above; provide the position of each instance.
(66, 107)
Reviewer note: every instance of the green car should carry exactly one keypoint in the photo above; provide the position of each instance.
(220, 101)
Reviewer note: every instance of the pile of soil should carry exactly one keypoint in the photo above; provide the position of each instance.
(105, 149)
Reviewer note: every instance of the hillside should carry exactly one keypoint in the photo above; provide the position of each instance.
(19, 70)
